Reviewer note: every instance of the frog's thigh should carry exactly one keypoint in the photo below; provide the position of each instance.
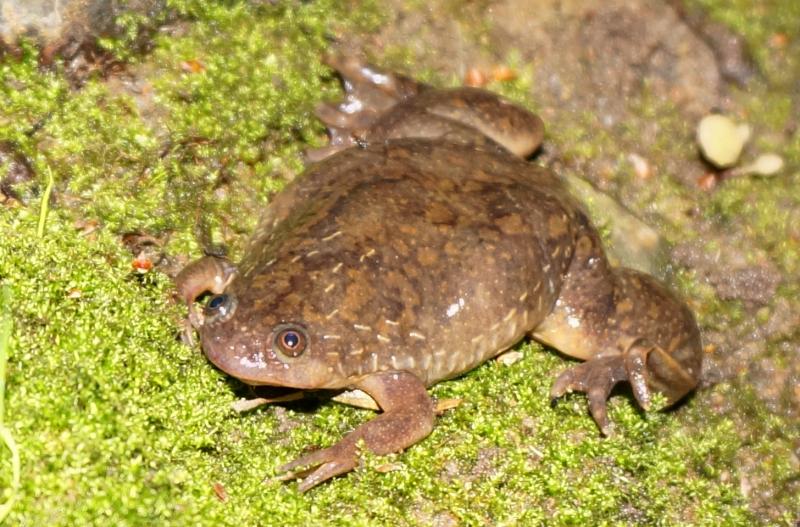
(421, 124)
(518, 130)
(564, 330)
(408, 414)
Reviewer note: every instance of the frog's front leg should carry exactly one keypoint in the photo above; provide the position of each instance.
(408, 414)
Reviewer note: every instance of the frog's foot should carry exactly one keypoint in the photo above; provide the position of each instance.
(407, 417)
(369, 82)
(652, 369)
(596, 378)
(324, 464)
(369, 94)
(646, 367)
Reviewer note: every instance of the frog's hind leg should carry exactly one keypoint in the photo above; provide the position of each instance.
(509, 125)
(467, 116)
(627, 327)
(651, 368)
(380, 106)
(369, 93)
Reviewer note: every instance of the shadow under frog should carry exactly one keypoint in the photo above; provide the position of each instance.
(418, 245)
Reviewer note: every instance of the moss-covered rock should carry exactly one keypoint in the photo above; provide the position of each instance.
(120, 423)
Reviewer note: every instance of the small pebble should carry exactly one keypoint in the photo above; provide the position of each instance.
(503, 73)
(721, 140)
(764, 165)
(707, 181)
(510, 357)
(474, 78)
(388, 467)
(640, 166)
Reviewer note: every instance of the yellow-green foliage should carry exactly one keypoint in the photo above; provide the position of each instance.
(121, 424)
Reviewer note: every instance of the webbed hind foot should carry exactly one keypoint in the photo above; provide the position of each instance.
(646, 367)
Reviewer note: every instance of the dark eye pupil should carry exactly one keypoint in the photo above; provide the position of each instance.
(216, 301)
(291, 339)
(290, 342)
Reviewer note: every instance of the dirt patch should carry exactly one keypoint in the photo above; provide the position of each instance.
(735, 275)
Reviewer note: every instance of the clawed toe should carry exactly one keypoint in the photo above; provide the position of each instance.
(598, 408)
(319, 466)
(596, 378)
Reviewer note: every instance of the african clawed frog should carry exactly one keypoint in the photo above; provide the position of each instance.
(419, 245)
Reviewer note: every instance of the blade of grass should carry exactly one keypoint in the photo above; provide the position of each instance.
(45, 206)
(6, 327)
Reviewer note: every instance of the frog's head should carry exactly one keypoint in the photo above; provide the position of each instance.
(263, 338)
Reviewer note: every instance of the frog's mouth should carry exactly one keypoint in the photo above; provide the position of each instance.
(252, 366)
(246, 365)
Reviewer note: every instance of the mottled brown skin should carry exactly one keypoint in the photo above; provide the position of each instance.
(419, 246)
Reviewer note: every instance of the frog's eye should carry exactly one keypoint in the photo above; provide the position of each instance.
(219, 308)
(290, 340)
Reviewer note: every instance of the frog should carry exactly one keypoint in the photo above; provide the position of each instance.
(419, 243)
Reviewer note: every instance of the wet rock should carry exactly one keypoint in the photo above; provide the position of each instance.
(764, 165)
(593, 55)
(67, 27)
(775, 384)
(731, 272)
(15, 170)
(756, 283)
(596, 62)
(733, 57)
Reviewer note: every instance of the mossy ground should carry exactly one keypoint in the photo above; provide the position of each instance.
(119, 423)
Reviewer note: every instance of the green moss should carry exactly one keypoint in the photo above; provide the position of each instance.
(28, 97)
(233, 100)
(767, 207)
(758, 22)
(122, 423)
(119, 423)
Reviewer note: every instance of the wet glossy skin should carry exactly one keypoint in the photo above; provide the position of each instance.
(418, 248)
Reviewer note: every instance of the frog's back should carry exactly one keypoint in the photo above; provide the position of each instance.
(423, 256)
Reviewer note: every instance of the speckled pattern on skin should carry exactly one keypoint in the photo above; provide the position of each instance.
(419, 246)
